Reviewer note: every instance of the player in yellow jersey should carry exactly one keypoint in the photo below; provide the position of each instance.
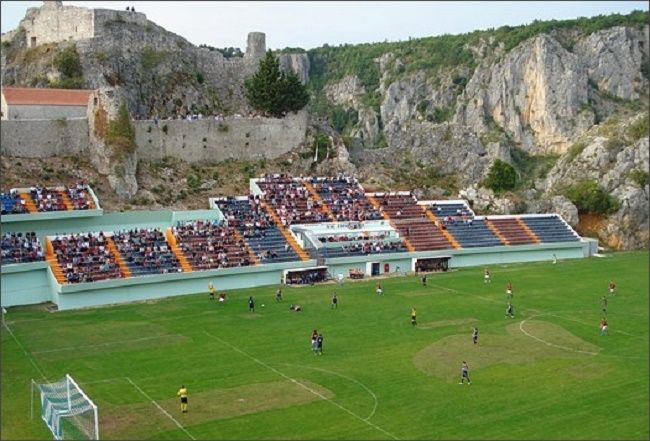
(212, 291)
(182, 392)
(413, 314)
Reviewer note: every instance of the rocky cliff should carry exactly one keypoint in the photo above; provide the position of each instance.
(533, 105)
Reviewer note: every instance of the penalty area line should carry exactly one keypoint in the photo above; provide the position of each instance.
(144, 394)
(27, 354)
(117, 342)
(293, 380)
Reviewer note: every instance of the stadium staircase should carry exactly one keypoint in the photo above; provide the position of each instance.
(450, 238)
(30, 205)
(247, 247)
(509, 231)
(287, 235)
(124, 268)
(528, 231)
(496, 232)
(375, 203)
(182, 260)
(66, 200)
(310, 188)
(54, 263)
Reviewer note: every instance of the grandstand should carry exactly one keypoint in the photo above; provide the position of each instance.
(286, 224)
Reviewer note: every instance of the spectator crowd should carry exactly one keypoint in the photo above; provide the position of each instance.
(21, 248)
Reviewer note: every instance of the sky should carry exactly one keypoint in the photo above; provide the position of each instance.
(308, 24)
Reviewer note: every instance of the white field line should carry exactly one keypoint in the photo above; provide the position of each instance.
(27, 354)
(372, 394)
(521, 328)
(591, 325)
(105, 380)
(460, 292)
(293, 380)
(116, 342)
(12, 322)
(571, 349)
(159, 407)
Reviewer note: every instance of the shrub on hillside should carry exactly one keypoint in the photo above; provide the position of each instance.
(589, 197)
(640, 177)
(121, 133)
(68, 64)
(502, 177)
(638, 129)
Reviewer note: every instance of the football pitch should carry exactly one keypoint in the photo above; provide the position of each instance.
(547, 373)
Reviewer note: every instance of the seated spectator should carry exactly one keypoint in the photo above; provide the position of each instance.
(21, 248)
(12, 203)
(211, 244)
(146, 251)
(85, 257)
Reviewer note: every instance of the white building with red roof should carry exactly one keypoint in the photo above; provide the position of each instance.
(41, 103)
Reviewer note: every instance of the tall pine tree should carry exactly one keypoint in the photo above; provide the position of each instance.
(272, 91)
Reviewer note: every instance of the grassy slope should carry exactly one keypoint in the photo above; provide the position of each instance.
(547, 394)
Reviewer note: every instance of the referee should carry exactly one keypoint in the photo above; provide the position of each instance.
(182, 392)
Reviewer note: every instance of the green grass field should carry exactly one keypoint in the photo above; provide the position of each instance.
(546, 374)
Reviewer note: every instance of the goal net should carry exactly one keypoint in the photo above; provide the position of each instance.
(67, 410)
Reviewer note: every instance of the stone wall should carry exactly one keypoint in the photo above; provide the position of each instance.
(54, 22)
(231, 138)
(104, 19)
(46, 112)
(43, 138)
(210, 140)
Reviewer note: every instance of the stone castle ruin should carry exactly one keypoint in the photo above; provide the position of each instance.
(125, 56)
(162, 72)
(53, 22)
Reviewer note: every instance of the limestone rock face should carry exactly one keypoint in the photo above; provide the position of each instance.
(411, 100)
(565, 208)
(346, 92)
(613, 60)
(613, 169)
(117, 165)
(484, 200)
(296, 63)
(536, 94)
(628, 227)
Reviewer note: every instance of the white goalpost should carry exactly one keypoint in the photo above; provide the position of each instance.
(67, 411)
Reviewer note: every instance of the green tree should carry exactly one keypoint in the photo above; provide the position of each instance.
(272, 91)
(502, 177)
(293, 95)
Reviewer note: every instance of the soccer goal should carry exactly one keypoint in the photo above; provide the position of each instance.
(67, 410)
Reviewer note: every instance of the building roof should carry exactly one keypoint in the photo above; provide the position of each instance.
(46, 97)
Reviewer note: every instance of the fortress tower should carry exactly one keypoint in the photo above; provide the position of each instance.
(52, 4)
(256, 45)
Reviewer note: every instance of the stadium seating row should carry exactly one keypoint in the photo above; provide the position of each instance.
(44, 199)
(255, 230)
(21, 248)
